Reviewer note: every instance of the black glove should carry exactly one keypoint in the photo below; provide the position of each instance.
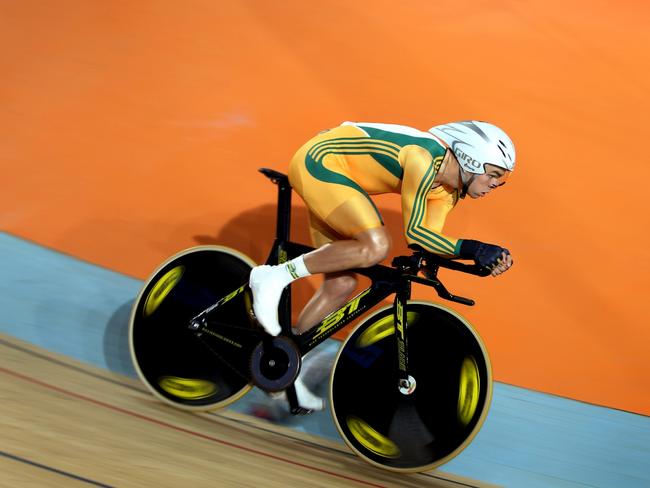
(485, 255)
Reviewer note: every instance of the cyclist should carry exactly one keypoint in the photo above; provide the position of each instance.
(337, 170)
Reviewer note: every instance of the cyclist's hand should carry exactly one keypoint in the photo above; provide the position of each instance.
(504, 263)
(493, 257)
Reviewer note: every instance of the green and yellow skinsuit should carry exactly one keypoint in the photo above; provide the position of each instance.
(336, 171)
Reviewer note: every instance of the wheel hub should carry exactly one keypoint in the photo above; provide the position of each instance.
(275, 364)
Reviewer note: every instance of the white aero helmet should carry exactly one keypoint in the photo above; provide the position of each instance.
(476, 144)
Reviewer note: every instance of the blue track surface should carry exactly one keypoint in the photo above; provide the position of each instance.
(529, 439)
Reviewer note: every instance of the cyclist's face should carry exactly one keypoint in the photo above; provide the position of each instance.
(483, 184)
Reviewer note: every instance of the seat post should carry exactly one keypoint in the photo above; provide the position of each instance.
(278, 252)
(283, 219)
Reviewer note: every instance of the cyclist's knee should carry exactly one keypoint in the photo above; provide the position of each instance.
(375, 246)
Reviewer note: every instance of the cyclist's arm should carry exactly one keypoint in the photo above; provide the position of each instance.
(424, 217)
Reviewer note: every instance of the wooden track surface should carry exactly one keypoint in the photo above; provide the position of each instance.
(66, 423)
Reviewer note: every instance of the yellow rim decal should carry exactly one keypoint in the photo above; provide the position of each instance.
(382, 329)
(470, 385)
(187, 388)
(371, 439)
(161, 289)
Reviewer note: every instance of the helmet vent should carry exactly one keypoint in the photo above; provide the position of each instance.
(502, 152)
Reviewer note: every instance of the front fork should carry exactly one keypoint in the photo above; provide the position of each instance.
(406, 383)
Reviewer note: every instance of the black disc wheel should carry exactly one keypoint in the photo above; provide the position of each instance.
(427, 427)
(190, 370)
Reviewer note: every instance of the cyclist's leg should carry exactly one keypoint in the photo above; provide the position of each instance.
(332, 294)
(362, 242)
(336, 287)
(347, 210)
(363, 249)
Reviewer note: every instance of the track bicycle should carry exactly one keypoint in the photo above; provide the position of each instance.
(410, 387)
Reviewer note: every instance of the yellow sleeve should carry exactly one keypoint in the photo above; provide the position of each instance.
(424, 211)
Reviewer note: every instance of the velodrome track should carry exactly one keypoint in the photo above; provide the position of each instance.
(73, 413)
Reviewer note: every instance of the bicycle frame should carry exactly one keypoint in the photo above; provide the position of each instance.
(385, 281)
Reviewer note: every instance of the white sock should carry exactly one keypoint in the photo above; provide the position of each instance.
(267, 284)
(296, 268)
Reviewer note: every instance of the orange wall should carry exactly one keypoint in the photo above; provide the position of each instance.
(130, 130)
